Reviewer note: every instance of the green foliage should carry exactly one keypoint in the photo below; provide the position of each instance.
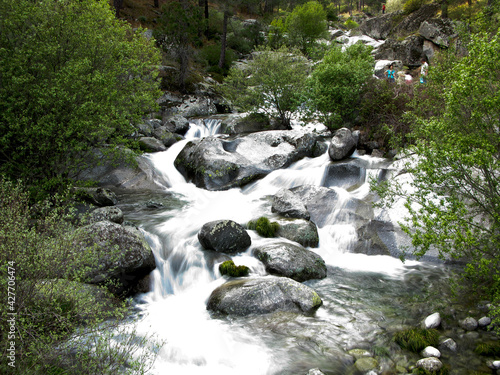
(277, 31)
(211, 53)
(264, 227)
(350, 24)
(229, 268)
(394, 5)
(488, 349)
(416, 339)
(411, 6)
(73, 78)
(179, 26)
(272, 82)
(335, 85)
(453, 202)
(381, 111)
(306, 24)
(244, 37)
(51, 303)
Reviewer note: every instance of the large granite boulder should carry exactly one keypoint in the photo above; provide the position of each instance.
(295, 262)
(301, 231)
(254, 122)
(411, 23)
(166, 137)
(215, 163)
(126, 170)
(288, 204)
(113, 214)
(439, 31)
(115, 253)
(409, 51)
(96, 196)
(177, 124)
(342, 145)
(225, 236)
(381, 26)
(262, 296)
(344, 174)
(326, 206)
(151, 144)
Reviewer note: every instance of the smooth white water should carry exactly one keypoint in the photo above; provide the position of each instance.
(175, 309)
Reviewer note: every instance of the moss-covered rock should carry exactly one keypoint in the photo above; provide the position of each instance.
(230, 269)
(264, 227)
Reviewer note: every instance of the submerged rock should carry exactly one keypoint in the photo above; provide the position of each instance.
(225, 236)
(295, 262)
(430, 364)
(469, 324)
(262, 296)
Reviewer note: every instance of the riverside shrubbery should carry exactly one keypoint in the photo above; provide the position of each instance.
(55, 312)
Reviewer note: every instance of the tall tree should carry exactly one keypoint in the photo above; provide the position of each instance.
(65, 92)
(272, 81)
(178, 27)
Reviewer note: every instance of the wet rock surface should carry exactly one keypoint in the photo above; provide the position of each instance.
(262, 296)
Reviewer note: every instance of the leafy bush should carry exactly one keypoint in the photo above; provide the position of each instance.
(211, 54)
(351, 24)
(417, 339)
(56, 314)
(381, 111)
(271, 82)
(229, 268)
(305, 24)
(412, 6)
(336, 82)
(264, 227)
(64, 92)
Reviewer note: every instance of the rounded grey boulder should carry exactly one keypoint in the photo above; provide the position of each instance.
(225, 236)
(342, 145)
(262, 296)
(295, 262)
(287, 204)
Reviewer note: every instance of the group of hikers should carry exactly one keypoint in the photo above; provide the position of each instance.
(390, 74)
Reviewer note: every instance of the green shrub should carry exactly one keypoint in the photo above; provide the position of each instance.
(52, 304)
(351, 24)
(264, 227)
(211, 54)
(416, 339)
(229, 268)
(412, 6)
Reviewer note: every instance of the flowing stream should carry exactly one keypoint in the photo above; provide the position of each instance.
(364, 297)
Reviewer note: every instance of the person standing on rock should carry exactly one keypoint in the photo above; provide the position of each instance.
(423, 71)
(383, 8)
(390, 74)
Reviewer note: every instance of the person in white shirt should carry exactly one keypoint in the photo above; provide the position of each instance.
(423, 71)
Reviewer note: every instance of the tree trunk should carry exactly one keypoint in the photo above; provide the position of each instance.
(156, 3)
(222, 58)
(444, 9)
(118, 4)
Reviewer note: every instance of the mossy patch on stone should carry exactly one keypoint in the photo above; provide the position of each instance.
(229, 268)
(264, 227)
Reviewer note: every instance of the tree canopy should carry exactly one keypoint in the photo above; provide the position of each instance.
(272, 81)
(73, 78)
(452, 193)
(336, 82)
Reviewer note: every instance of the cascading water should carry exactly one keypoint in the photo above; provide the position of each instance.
(361, 294)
